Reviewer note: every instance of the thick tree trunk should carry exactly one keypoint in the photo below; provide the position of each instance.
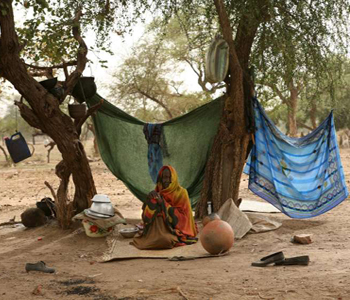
(44, 112)
(225, 165)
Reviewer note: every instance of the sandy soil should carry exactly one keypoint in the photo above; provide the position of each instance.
(79, 275)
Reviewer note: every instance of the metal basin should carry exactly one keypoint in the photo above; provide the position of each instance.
(128, 232)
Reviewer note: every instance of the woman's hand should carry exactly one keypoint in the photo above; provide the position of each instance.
(155, 195)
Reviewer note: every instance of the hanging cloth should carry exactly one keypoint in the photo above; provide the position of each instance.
(124, 149)
(302, 177)
(153, 133)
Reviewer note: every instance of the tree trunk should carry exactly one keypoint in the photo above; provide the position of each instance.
(225, 165)
(313, 112)
(91, 127)
(292, 113)
(44, 112)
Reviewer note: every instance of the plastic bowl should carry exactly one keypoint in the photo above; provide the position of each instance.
(128, 232)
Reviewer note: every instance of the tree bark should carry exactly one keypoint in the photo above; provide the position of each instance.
(44, 112)
(313, 113)
(226, 162)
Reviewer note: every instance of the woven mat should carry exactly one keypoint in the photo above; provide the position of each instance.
(120, 248)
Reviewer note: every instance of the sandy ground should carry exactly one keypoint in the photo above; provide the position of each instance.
(79, 275)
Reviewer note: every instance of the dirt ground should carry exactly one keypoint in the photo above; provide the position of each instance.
(79, 275)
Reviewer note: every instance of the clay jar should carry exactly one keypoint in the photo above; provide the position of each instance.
(209, 218)
(217, 237)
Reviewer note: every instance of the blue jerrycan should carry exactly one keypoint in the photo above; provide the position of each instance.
(17, 147)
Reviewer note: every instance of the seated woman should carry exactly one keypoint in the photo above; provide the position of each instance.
(167, 215)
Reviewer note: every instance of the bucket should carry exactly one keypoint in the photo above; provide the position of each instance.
(84, 89)
(49, 83)
(77, 111)
(17, 147)
(92, 230)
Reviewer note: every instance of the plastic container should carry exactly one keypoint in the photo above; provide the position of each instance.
(17, 147)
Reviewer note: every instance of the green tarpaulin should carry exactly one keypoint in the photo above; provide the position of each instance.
(123, 146)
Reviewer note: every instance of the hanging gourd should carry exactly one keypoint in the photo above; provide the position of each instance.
(217, 60)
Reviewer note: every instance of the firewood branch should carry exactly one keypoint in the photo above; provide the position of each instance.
(90, 111)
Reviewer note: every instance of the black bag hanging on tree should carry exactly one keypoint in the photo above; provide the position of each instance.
(85, 88)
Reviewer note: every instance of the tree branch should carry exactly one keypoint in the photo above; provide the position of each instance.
(5, 154)
(278, 92)
(60, 66)
(81, 56)
(192, 67)
(28, 115)
(51, 145)
(90, 111)
(304, 125)
(46, 73)
(156, 101)
(52, 191)
(246, 32)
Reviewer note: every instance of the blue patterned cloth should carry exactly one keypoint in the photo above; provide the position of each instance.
(302, 177)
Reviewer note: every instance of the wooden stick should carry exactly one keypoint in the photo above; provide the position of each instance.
(52, 191)
(182, 293)
(10, 223)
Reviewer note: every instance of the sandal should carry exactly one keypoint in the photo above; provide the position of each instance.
(298, 260)
(270, 259)
(40, 267)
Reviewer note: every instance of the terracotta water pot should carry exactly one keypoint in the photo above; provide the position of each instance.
(77, 111)
(84, 89)
(217, 237)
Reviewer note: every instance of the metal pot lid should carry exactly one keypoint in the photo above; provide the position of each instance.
(91, 213)
(101, 198)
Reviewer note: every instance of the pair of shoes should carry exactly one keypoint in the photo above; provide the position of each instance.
(279, 260)
(39, 266)
(297, 260)
(270, 259)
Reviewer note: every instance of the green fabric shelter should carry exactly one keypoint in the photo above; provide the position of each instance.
(189, 138)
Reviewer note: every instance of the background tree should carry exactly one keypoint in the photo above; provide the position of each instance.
(146, 84)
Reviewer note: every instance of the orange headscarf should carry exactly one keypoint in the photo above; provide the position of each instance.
(176, 199)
